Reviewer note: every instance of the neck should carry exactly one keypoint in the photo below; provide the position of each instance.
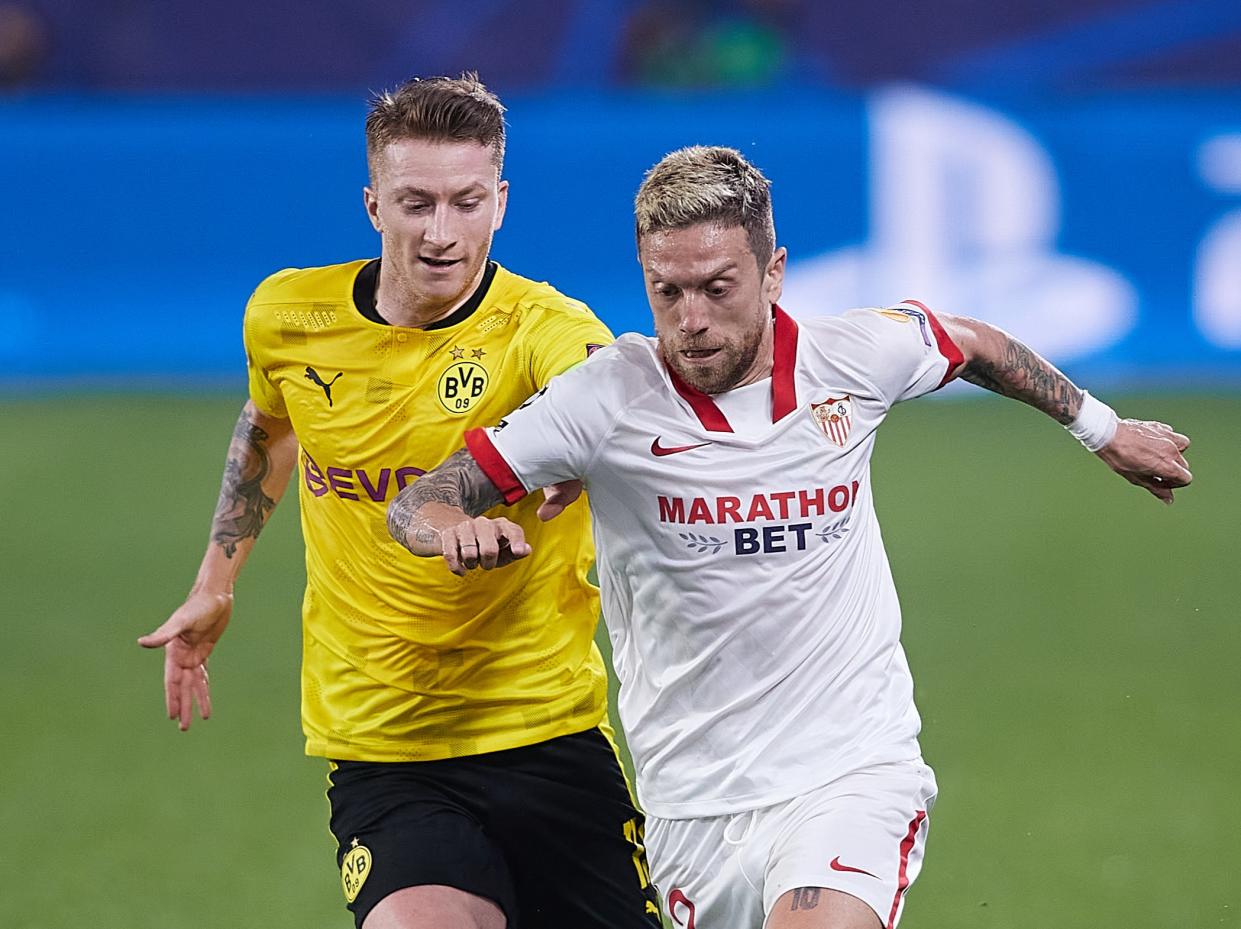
(400, 303)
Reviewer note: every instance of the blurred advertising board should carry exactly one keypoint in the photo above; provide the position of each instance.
(1105, 229)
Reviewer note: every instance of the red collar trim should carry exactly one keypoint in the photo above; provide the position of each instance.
(783, 385)
(783, 365)
(710, 415)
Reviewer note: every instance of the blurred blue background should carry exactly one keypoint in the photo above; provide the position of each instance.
(1070, 171)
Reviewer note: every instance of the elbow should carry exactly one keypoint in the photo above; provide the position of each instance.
(978, 342)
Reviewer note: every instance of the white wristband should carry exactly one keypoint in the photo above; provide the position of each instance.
(1095, 425)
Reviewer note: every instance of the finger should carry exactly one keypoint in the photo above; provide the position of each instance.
(469, 555)
(1157, 487)
(459, 545)
(452, 551)
(514, 538)
(488, 543)
(507, 557)
(1182, 441)
(468, 545)
(172, 701)
(1161, 492)
(161, 636)
(202, 692)
(1176, 473)
(186, 697)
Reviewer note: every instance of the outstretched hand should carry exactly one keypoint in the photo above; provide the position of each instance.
(187, 638)
(482, 543)
(1149, 454)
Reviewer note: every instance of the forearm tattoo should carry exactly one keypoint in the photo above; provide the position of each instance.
(243, 507)
(1016, 371)
(458, 482)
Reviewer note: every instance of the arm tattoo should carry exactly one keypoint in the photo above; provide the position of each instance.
(805, 898)
(243, 507)
(458, 482)
(1016, 371)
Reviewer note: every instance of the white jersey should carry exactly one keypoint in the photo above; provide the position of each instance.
(754, 622)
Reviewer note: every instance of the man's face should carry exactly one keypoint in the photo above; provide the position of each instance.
(437, 205)
(712, 303)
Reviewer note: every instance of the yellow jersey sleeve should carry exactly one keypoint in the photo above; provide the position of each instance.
(259, 337)
(569, 334)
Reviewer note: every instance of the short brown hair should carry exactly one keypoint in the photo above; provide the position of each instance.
(703, 184)
(438, 109)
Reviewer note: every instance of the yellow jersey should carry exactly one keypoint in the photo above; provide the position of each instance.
(401, 659)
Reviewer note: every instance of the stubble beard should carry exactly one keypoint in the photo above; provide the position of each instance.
(414, 291)
(733, 362)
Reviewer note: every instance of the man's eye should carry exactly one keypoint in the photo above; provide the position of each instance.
(468, 206)
(414, 207)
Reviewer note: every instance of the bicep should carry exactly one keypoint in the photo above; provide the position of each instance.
(274, 435)
(279, 429)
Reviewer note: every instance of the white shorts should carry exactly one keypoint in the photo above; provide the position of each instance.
(863, 834)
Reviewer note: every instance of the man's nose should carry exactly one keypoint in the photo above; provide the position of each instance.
(694, 316)
(441, 232)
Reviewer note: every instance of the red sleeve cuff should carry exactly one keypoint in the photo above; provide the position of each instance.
(494, 465)
(948, 348)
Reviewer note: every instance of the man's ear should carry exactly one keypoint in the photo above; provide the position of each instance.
(370, 200)
(773, 276)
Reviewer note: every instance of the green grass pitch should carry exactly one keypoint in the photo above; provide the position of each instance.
(1075, 645)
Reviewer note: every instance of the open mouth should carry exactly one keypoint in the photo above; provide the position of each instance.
(439, 262)
(699, 354)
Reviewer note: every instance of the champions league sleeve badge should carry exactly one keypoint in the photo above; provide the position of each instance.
(834, 416)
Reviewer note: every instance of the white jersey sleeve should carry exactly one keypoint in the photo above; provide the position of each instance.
(554, 435)
(901, 351)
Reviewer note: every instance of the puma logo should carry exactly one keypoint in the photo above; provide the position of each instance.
(313, 375)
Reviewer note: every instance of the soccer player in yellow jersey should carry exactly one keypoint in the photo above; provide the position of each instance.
(472, 783)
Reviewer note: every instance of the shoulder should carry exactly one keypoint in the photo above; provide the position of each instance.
(618, 374)
(327, 284)
(629, 363)
(538, 299)
(310, 299)
(866, 327)
(300, 300)
(846, 321)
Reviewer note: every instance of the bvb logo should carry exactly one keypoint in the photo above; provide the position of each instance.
(354, 870)
(462, 385)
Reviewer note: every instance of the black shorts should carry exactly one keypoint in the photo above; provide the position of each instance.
(547, 831)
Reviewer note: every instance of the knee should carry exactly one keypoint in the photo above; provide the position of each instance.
(434, 906)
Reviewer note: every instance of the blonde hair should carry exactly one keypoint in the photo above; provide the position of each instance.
(438, 109)
(702, 184)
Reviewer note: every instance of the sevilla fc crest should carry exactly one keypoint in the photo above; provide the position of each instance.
(835, 417)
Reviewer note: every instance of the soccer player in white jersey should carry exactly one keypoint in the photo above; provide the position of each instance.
(753, 618)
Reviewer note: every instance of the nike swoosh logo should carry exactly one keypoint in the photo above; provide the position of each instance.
(659, 450)
(835, 865)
